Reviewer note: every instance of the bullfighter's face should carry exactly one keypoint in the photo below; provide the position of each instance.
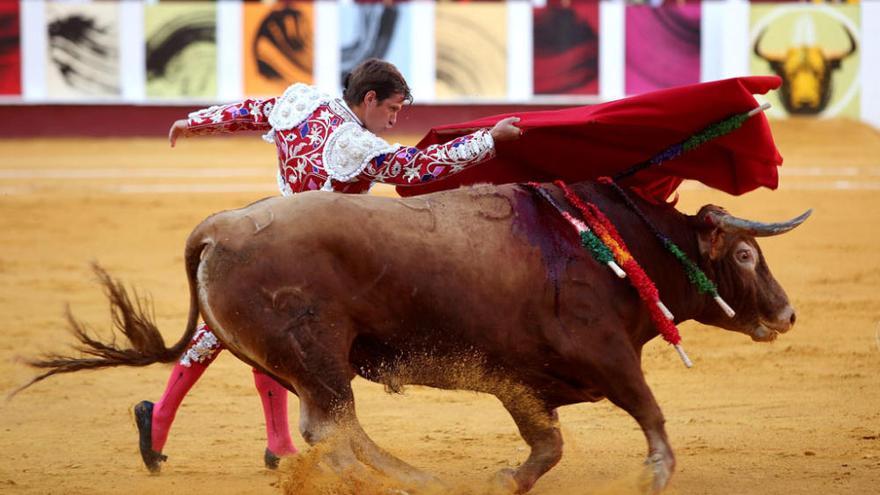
(381, 115)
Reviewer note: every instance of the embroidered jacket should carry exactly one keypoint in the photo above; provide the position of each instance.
(323, 145)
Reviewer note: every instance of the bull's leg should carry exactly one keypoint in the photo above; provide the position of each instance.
(627, 389)
(316, 365)
(320, 427)
(377, 458)
(539, 427)
(351, 450)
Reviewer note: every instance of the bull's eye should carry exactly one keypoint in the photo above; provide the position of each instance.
(745, 255)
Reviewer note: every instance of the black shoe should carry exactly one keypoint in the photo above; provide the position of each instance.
(271, 459)
(143, 416)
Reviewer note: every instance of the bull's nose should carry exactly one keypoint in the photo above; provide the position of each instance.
(785, 319)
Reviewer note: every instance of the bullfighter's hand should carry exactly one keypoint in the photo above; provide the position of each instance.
(178, 128)
(504, 130)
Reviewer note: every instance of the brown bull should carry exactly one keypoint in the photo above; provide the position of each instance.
(806, 72)
(483, 288)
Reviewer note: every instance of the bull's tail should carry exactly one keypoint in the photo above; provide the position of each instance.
(133, 317)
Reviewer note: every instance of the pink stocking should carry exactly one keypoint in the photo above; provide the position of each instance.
(274, 398)
(201, 352)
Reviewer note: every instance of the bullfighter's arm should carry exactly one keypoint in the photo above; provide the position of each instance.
(248, 115)
(411, 165)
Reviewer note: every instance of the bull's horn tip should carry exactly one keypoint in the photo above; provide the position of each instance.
(803, 216)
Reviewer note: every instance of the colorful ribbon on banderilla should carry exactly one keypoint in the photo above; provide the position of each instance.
(695, 276)
(600, 237)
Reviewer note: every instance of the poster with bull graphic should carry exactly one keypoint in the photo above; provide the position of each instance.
(181, 49)
(662, 46)
(82, 50)
(279, 46)
(10, 49)
(815, 49)
(368, 30)
(565, 37)
(471, 41)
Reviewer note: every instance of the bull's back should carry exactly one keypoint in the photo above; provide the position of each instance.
(449, 249)
(468, 221)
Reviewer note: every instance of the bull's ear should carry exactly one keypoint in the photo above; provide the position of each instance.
(710, 235)
(711, 242)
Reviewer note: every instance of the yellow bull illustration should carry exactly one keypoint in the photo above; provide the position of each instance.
(806, 69)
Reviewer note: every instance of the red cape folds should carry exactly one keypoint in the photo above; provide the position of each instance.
(584, 143)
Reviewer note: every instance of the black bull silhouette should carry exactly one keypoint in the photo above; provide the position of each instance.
(483, 288)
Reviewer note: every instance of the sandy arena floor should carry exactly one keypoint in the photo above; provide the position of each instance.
(799, 416)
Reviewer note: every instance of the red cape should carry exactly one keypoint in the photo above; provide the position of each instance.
(584, 143)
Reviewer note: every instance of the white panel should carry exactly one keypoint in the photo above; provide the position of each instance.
(612, 49)
(712, 21)
(34, 50)
(230, 78)
(735, 39)
(423, 64)
(871, 62)
(327, 47)
(132, 52)
(519, 50)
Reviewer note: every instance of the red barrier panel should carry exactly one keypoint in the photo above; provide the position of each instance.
(142, 120)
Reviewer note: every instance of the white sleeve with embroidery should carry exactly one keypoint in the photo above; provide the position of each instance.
(412, 166)
(248, 115)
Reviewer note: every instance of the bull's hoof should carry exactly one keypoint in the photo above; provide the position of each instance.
(660, 470)
(504, 481)
(143, 416)
(271, 459)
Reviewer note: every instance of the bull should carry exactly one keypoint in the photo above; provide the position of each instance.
(483, 288)
(806, 71)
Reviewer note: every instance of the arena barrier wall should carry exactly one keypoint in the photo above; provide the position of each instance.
(73, 67)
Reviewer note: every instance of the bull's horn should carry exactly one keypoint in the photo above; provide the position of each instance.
(852, 47)
(757, 48)
(730, 223)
